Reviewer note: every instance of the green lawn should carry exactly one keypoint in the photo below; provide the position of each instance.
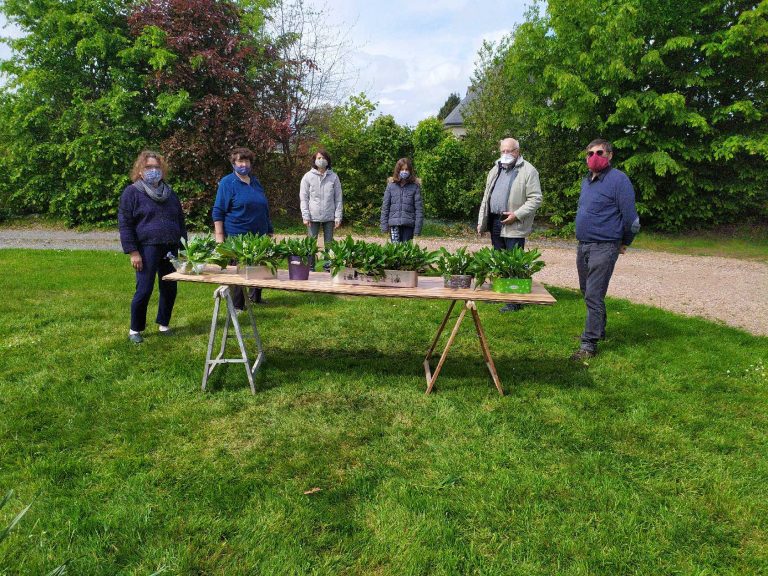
(651, 460)
(745, 242)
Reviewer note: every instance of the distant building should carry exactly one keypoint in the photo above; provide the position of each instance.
(454, 122)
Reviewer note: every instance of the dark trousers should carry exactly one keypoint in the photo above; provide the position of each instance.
(254, 295)
(401, 233)
(498, 242)
(595, 262)
(154, 264)
(314, 231)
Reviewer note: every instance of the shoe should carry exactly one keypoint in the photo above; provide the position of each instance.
(135, 338)
(511, 308)
(581, 354)
(165, 332)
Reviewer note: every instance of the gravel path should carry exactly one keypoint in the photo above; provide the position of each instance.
(727, 290)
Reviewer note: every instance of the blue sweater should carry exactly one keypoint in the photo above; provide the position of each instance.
(144, 222)
(606, 210)
(242, 207)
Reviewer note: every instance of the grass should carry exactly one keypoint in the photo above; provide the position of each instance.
(747, 242)
(651, 460)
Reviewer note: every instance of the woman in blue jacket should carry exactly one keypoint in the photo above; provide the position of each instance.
(402, 211)
(151, 224)
(241, 206)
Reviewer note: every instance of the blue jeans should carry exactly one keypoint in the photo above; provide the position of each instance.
(595, 262)
(499, 242)
(314, 231)
(154, 264)
(401, 233)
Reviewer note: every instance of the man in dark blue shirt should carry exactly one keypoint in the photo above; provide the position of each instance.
(606, 223)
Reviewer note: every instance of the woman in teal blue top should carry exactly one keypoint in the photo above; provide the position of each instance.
(241, 206)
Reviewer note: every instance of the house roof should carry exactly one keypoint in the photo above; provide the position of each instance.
(456, 117)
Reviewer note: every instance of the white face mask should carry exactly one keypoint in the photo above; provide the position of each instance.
(321, 163)
(507, 159)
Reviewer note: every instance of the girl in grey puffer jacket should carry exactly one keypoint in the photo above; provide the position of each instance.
(402, 212)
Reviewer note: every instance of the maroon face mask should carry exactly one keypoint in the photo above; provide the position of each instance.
(597, 163)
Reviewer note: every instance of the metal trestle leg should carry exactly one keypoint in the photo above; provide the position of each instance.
(223, 294)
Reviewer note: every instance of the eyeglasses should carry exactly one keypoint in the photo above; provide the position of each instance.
(598, 152)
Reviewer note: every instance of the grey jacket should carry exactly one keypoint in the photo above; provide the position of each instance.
(524, 200)
(320, 196)
(402, 206)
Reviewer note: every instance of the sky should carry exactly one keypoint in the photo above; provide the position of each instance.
(410, 55)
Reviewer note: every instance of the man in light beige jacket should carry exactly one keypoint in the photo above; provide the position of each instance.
(512, 196)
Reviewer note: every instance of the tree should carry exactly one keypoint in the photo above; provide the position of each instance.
(451, 103)
(364, 153)
(311, 77)
(71, 116)
(210, 80)
(681, 94)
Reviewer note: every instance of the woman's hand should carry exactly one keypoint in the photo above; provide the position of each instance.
(336, 224)
(136, 261)
(306, 222)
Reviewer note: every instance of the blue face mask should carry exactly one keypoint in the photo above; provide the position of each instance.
(404, 174)
(152, 176)
(242, 170)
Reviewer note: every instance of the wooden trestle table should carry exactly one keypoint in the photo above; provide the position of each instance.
(428, 288)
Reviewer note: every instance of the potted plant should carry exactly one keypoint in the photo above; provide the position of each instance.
(349, 258)
(194, 254)
(257, 256)
(403, 261)
(300, 252)
(457, 268)
(510, 271)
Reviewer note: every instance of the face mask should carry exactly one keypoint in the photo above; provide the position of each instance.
(152, 176)
(242, 170)
(507, 159)
(404, 174)
(321, 163)
(597, 163)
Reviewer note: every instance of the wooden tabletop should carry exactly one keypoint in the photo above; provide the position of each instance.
(430, 287)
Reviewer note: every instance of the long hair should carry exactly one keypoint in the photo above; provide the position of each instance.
(403, 163)
(141, 162)
(324, 154)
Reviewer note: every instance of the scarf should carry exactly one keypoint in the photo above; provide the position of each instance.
(158, 194)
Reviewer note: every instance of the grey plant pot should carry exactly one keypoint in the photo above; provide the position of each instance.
(457, 281)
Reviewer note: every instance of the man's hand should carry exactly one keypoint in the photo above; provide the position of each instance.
(136, 261)
(622, 249)
(510, 218)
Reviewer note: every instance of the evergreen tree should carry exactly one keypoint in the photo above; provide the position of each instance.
(451, 103)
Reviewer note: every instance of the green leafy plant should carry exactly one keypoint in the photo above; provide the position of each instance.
(252, 250)
(198, 249)
(515, 263)
(407, 256)
(303, 248)
(367, 257)
(195, 253)
(454, 264)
